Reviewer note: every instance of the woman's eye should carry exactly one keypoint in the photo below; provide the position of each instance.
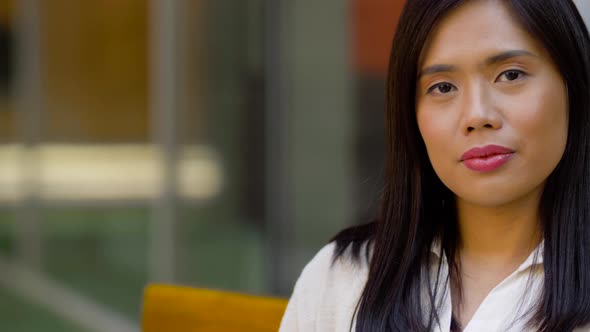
(511, 75)
(441, 88)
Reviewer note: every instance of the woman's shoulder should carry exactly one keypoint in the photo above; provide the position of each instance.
(327, 291)
(334, 263)
(355, 242)
(329, 288)
(345, 257)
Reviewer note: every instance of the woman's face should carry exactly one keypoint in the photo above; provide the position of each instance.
(491, 106)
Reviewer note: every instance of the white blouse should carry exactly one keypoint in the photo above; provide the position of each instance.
(325, 296)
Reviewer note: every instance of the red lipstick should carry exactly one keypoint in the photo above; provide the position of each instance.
(487, 158)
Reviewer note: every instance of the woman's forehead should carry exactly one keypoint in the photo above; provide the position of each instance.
(474, 32)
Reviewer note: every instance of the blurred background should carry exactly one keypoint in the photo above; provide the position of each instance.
(210, 143)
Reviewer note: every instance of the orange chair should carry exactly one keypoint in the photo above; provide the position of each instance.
(183, 309)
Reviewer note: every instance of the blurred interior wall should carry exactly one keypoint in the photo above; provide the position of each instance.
(95, 70)
(7, 117)
(584, 8)
(321, 99)
(373, 25)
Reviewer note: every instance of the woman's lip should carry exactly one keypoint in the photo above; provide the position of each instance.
(485, 152)
(487, 164)
(487, 158)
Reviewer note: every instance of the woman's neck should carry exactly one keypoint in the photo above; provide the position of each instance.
(499, 235)
(494, 241)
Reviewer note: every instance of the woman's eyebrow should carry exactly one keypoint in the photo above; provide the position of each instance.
(507, 55)
(443, 68)
(434, 69)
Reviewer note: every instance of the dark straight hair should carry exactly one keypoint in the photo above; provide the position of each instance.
(416, 208)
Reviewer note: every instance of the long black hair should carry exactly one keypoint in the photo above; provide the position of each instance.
(416, 208)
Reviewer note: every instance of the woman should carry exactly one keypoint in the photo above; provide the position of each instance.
(485, 220)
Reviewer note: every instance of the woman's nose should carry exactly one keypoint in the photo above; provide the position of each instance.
(479, 111)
